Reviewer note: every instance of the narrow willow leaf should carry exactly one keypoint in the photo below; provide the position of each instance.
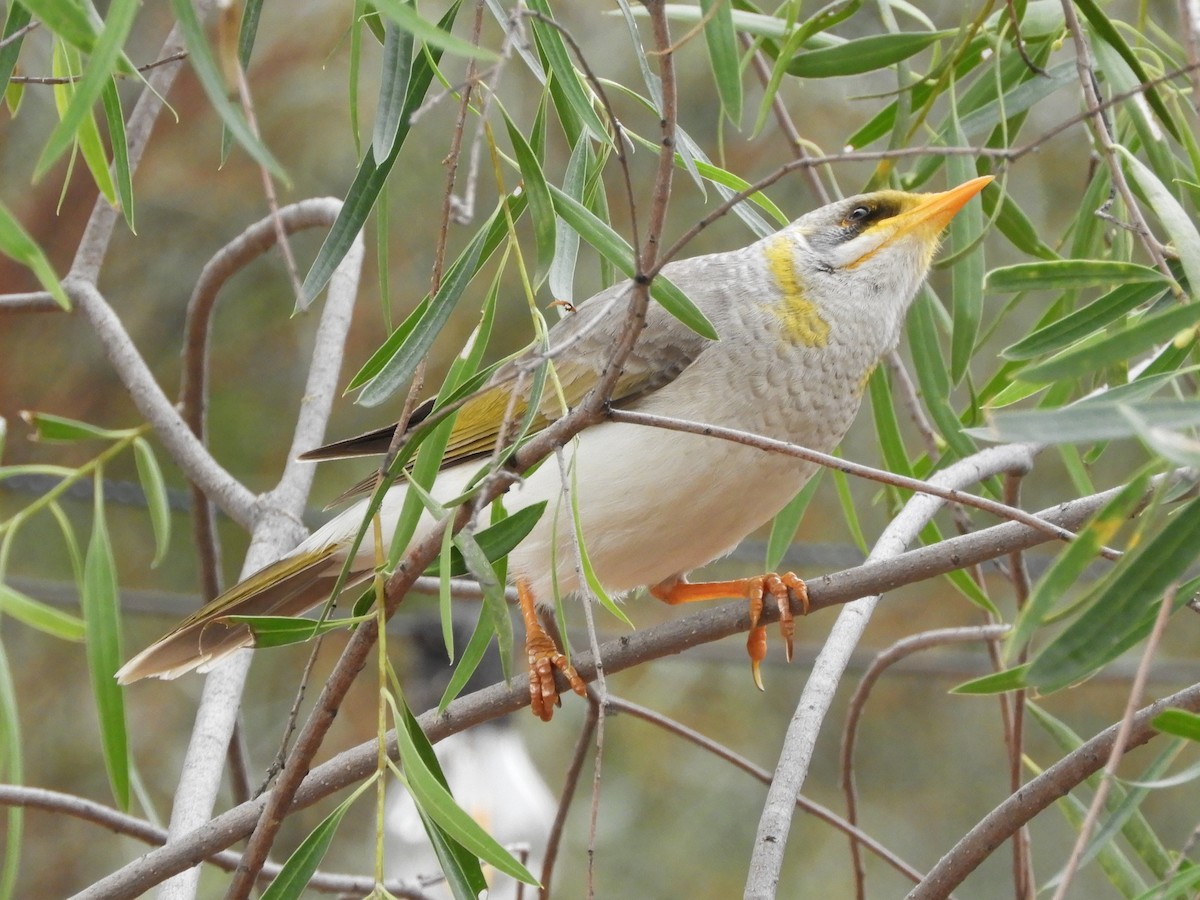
(280, 631)
(616, 250)
(863, 54)
(931, 373)
(155, 488)
(1015, 225)
(1103, 26)
(541, 206)
(1124, 612)
(1119, 347)
(12, 772)
(370, 177)
(1091, 420)
(966, 275)
(1066, 569)
(118, 21)
(1069, 274)
(432, 796)
(494, 600)
(1179, 723)
(393, 89)
(114, 117)
(293, 878)
(101, 616)
(59, 429)
(1175, 219)
(400, 367)
(495, 541)
(566, 78)
(16, 243)
(247, 33)
(469, 659)
(786, 521)
(721, 41)
(203, 62)
(40, 616)
(995, 683)
(86, 138)
(18, 17)
(1178, 448)
(68, 21)
(430, 34)
(1084, 322)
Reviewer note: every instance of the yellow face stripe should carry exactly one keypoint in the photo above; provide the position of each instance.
(801, 320)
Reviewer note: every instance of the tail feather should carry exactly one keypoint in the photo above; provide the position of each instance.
(289, 587)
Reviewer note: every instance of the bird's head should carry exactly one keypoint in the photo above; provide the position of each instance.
(883, 241)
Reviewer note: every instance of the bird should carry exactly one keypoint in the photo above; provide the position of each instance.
(802, 316)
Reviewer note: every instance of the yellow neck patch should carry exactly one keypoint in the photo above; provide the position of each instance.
(801, 320)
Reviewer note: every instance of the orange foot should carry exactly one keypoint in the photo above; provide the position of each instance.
(544, 658)
(781, 588)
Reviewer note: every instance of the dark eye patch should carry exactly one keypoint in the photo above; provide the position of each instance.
(863, 215)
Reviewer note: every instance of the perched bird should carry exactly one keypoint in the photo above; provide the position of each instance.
(803, 317)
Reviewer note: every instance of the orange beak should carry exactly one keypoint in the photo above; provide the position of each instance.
(928, 216)
(935, 211)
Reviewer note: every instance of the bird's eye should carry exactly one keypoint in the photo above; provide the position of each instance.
(858, 215)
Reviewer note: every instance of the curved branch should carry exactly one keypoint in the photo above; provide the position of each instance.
(663, 640)
(57, 802)
(796, 754)
(1056, 782)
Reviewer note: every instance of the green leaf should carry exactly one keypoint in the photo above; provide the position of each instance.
(931, 372)
(12, 772)
(469, 659)
(370, 177)
(293, 878)
(1066, 569)
(1103, 26)
(721, 41)
(59, 429)
(399, 367)
(966, 275)
(494, 600)
(496, 541)
(617, 250)
(68, 21)
(16, 243)
(541, 206)
(430, 34)
(435, 800)
(393, 89)
(995, 683)
(115, 119)
(18, 17)
(118, 21)
(155, 488)
(1124, 612)
(205, 65)
(1085, 321)
(66, 64)
(1179, 723)
(280, 631)
(1175, 219)
(1069, 274)
(101, 616)
(863, 54)
(786, 521)
(566, 78)
(1091, 420)
(40, 616)
(1148, 332)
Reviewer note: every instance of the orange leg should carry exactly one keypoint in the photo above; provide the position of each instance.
(781, 588)
(544, 658)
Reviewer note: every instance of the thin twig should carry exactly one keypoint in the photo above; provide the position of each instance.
(619, 705)
(570, 783)
(71, 79)
(771, 445)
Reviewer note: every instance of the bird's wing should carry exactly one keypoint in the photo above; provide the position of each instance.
(580, 345)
